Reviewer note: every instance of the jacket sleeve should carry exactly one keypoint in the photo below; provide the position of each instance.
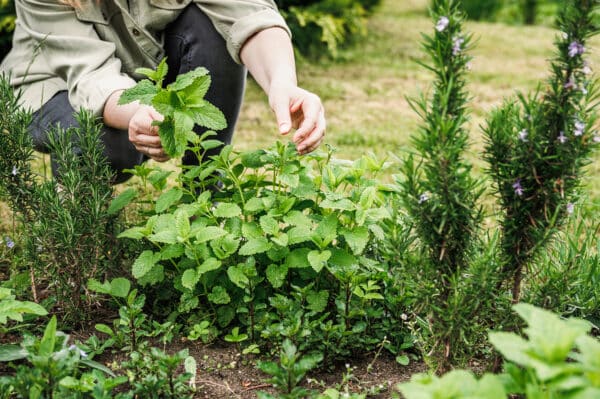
(238, 20)
(72, 51)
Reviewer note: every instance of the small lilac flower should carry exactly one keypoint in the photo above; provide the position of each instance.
(596, 139)
(570, 208)
(565, 35)
(9, 242)
(579, 128)
(442, 24)
(14, 171)
(523, 135)
(423, 198)
(562, 138)
(571, 84)
(586, 69)
(457, 47)
(517, 187)
(575, 49)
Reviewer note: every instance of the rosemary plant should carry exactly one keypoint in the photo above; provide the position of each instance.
(537, 147)
(438, 191)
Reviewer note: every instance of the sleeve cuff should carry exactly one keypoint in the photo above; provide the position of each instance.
(95, 98)
(249, 25)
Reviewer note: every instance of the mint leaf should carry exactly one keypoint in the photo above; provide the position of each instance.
(210, 117)
(144, 92)
(187, 79)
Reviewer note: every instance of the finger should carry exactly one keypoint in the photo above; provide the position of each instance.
(152, 152)
(311, 108)
(146, 140)
(281, 107)
(313, 139)
(160, 159)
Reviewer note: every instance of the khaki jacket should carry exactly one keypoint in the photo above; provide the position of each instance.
(94, 50)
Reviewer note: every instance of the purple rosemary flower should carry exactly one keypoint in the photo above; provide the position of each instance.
(579, 128)
(571, 84)
(596, 139)
(586, 69)
(517, 187)
(9, 242)
(570, 208)
(442, 24)
(423, 198)
(562, 138)
(457, 45)
(575, 49)
(76, 348)
(523, 135)
(14, 171)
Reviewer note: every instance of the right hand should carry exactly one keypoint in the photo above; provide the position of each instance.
(144, 136)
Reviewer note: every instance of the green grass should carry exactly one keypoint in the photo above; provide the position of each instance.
(365, 91)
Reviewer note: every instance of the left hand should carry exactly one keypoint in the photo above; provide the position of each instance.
(297, 108)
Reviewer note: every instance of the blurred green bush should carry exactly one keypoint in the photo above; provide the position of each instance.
(321, 27)
(7, 25)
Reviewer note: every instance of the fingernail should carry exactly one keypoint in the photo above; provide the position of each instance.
(284, 127)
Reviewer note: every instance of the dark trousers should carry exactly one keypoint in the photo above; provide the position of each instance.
(190, 41)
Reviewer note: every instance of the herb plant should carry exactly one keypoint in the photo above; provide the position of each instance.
(181, 103)
(537, 147)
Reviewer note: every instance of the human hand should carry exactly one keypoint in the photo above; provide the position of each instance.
(144, 135)
(297, 108)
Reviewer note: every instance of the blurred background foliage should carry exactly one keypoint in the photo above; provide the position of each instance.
(7, 25)
(321, 27)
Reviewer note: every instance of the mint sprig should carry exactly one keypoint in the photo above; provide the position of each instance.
(181, 103)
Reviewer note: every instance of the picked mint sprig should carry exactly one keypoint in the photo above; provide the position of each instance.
(181, 103)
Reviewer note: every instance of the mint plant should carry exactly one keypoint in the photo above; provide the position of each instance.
(10, 308)
(537, 147)
(181, 103)
(52, 364)
(274, 223)
(558, 359)
(289, 372)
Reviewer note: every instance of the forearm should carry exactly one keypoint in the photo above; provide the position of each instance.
(269, 57)
(118, 116)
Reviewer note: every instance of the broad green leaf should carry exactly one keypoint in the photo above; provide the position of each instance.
(318, 259)
(237, 276)
(96, 286)
(219, 296)
(167, 199)
(227, 210)
(299, 234)
(269, 225)
(298, 258)
(190, 366)
(210, 117)
(343, 204)
(166, 133)
(154, 276)
(276, 274)
(255, 246)
(189, 279)
(210, 233)
(211, 144)
(291, 180)
(135, 233)
(119, 287)
(195, 76)
(9, 353)
(326, 231)
(252, 230)
(48, 341)
(144, 92)
(182, 225)
(281, 239)
(253, 159)
(208, 265)
(357, 238)
(317, 301)
(342, 258)
(165, 236)
(403, 360)
(171, 251)
(144, 263)
(13, 309)
(254, 205)
(166, 103)
(103, 328)
(121, 201)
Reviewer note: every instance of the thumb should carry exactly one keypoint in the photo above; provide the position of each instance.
(281, 107)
